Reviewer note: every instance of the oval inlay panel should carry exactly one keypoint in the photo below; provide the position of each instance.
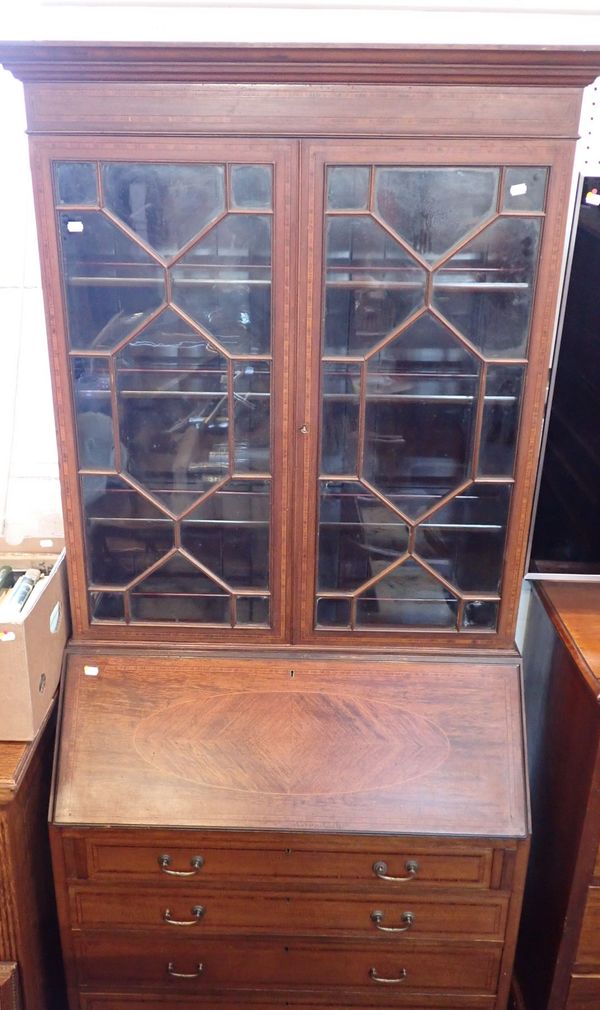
(295, 743)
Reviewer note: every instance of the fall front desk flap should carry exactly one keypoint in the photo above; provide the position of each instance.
(324, 745)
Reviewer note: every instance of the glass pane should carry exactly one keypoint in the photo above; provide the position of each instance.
(76, 182)
(93, 417)
(224, 283)
(348, 187)
(166, 205)
(407, 597)
(486, 290)
(106, 607)
(174, 352)
(372, 286)
(111, 284)
(252, 610)
(124, 532)
(175, 439)
(500, 420)
(464, 541)
(420, 415)
(339, 439)
(359, 536)
(480, 614)
(191, 609)
(525, 189)
(229, 533)
(178, 591)
(333, 613)
(252, 186)
(434, 208)
(252, 387)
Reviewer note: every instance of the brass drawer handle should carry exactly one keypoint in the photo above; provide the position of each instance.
(373, 973)
(197, 911)
(407, 917)
(380, 869)
(196, 861)
(182, 974)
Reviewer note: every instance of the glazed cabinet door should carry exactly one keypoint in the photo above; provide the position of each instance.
(428, 335)
(172, 365)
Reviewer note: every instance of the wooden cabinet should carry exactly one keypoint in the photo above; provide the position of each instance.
(324, 843)
(30, 970)
(558, 963)
(300, 342)
(300, 305)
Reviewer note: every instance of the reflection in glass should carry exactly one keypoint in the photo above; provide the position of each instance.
(229, 533)
(176, 443)
(93, 416)
(76, 183)
(224, 283)
(106, 607)
(500, 420)
(407, 597)
(252, 610)
(178, 591)
(348, 187)
(124, 532)
(434, 208)
(111, 284)
(464, 540)
(168, 347)
(359, 536)
(252, 186)
(165, 205)
(525, 189)
(372, 285)
(481, 614)
(486, 290)
(251, 390)
(332, 613)
(420, 416)
(339, 440)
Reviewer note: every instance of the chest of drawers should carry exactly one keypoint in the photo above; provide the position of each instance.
(261, 852)
(558, 963)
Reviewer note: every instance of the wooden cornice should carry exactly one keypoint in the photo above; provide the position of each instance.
(47, 62)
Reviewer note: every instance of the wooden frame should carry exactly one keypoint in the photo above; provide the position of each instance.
(316, 155)
(44, 152)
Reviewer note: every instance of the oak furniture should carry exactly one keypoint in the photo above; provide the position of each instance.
(29, 944)
(558, 963)
(300, 305)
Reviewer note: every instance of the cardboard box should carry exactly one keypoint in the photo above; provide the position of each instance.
(31, 648)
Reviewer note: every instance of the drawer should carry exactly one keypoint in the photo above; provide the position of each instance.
(151, 961)
(170, 859)
(588, 951)
(208, 911)
(584, 993)
(439, 1001)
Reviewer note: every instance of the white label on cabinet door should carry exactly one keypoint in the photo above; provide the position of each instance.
(75, 226)
(519, 189)
(91, 671)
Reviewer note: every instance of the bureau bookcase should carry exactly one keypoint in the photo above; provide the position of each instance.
(300, 304)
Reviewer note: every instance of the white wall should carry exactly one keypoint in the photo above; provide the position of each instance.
(29, 493)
